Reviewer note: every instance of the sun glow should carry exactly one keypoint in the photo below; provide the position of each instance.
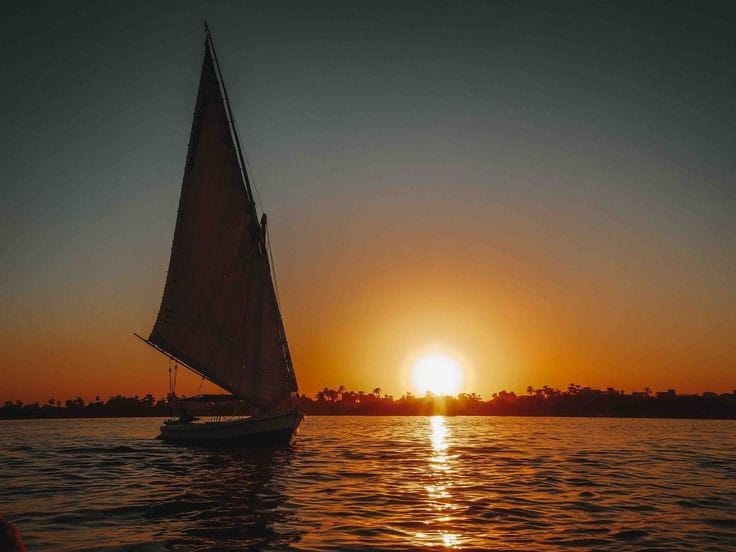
(437, 373)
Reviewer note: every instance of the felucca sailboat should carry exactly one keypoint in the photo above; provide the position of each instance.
(219, 315)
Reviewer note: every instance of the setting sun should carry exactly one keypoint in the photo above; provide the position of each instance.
(438, 373)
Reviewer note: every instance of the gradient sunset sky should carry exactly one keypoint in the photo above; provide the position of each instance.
(544, 190)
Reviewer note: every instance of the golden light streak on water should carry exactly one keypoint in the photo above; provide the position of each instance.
(439, 493)
(439, 434)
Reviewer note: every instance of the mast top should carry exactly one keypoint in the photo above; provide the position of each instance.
(229, 112)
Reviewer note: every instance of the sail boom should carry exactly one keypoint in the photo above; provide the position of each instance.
(185, 364)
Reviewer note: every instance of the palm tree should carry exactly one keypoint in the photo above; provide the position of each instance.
(331, 394)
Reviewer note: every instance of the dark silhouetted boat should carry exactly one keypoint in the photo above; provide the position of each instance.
(219, 314)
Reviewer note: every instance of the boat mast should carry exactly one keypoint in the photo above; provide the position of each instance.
(246, 181)
(230, 119)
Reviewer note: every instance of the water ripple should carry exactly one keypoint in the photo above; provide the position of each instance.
(391, 483)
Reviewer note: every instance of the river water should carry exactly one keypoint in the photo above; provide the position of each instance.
(495, 483)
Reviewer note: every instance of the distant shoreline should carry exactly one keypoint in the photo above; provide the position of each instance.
(574, 402)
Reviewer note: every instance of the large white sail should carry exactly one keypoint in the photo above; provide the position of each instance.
(219, 314)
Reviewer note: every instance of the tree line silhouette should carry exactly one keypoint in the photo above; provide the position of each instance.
(117, 406)
(544, 401)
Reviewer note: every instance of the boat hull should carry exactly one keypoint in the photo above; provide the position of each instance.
(256, 431)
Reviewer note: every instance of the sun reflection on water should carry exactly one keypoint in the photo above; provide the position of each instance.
(439, 434)
(439, 490)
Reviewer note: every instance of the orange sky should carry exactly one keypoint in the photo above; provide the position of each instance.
(516, 311)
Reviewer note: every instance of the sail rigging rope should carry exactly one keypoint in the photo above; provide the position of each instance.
(250, 184)
(273, 272)
(248, 169)
(171, 391)
(243, 161)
